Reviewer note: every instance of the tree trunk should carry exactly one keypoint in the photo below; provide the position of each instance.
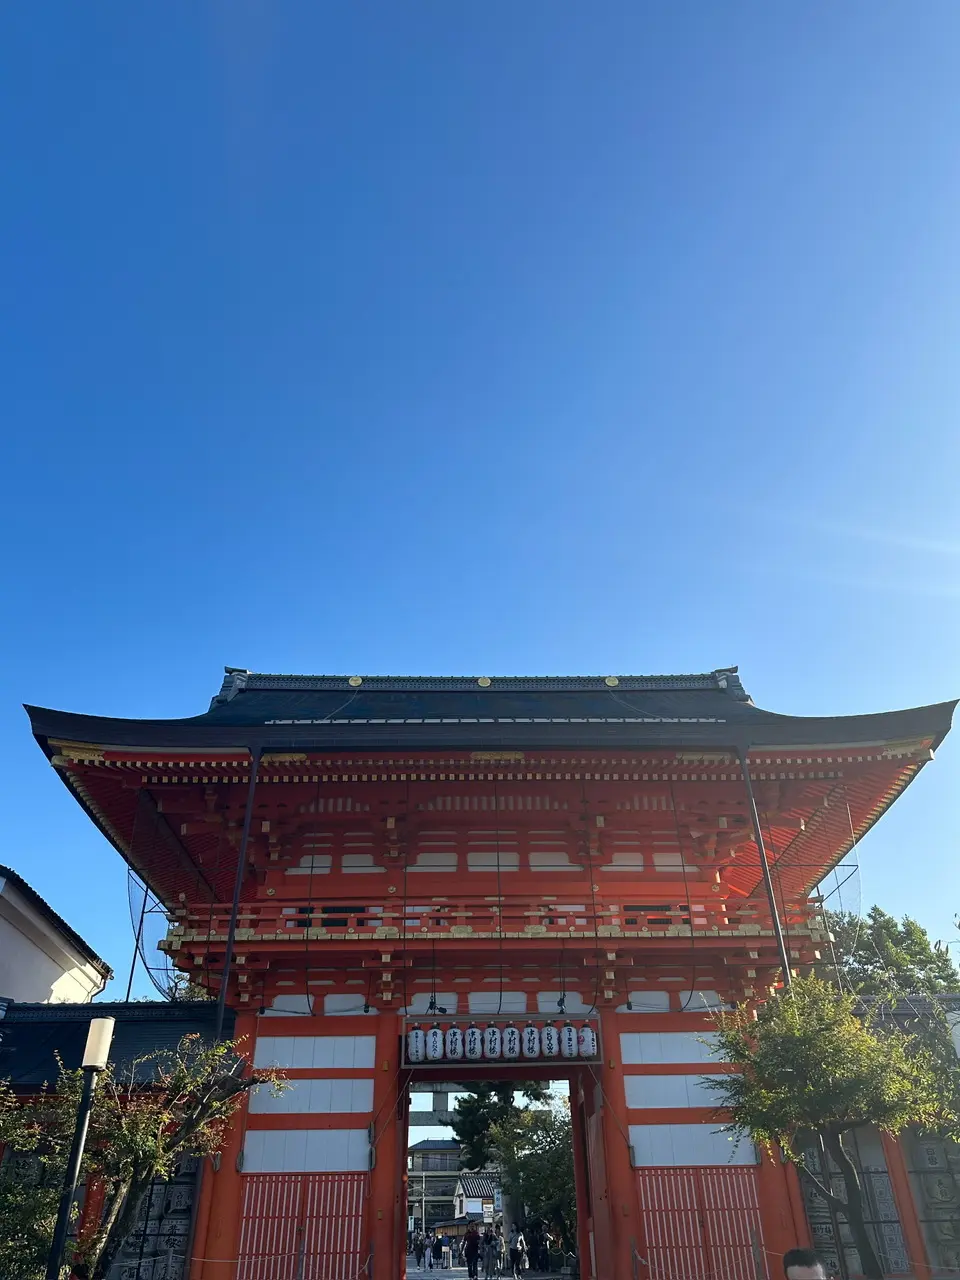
(123, 1224)
(853, 1211)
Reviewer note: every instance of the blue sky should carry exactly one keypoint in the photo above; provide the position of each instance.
(480, 338)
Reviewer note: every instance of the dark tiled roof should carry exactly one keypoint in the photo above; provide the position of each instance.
(281, 712)
(45, 909)
(31, 1035)
(435, 1144)
(476, 1187)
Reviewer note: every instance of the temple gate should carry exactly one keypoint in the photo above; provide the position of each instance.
(392, 880)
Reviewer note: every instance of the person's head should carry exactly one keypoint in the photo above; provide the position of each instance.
(803, 1264)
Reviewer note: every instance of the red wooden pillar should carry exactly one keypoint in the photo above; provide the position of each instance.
(220, 1247)
(581, 1175)
(202, 1223)
(780, 1229)
(906, 1207)
(798, 1211)
(623, 1205)
(386, 1188)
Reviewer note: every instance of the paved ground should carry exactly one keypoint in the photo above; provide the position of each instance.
(459, 1273)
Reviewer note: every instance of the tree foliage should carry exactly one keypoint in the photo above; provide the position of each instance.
(485, 1106)
(814, 1060)
(884, 959)
(535, 1152)
(146, 1117)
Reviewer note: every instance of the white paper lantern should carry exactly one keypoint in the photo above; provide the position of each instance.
(531, 1041)
(473, 1043)
(454, 1044)
(587, 1041)
(549, 1041)
(511, 1042)
(416, 1045)
(434, 1045)
(492, 1042)
(569, 1044)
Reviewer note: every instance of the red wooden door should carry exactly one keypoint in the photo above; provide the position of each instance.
(302, 1226)
(701, 1224)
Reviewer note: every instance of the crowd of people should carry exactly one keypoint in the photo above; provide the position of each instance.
(486, 1252)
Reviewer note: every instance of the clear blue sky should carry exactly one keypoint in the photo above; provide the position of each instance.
(481, 338)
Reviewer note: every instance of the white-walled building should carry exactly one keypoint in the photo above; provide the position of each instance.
(42, 960)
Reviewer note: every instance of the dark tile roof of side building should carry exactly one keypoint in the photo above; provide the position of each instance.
(58, 922)
(32, 1035)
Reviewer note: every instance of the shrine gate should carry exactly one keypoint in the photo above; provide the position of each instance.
(398, 880)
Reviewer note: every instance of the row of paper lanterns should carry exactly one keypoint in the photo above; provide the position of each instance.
(493, 1043)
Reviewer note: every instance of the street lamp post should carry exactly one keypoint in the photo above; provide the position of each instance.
(95, 1056)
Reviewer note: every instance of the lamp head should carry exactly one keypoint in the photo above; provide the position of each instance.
(97, 1049)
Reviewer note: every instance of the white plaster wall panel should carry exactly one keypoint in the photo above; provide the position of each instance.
(543, 860)
(643, 1092)
(316, 864)
(421, 999)
(647, 1002)
(492, 860)
(314, 1051)
(671, 1145)
(360, 864)
(284, 1006)
(670, 861)
(642, 1047)
(346, 1004)
(700, 1001)
(497, 1002)
(306, 1151)
(573, 1001)
(314, 1097)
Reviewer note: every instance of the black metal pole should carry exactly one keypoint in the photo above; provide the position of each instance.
(765, 867)
(55, 1257)
(255, 753)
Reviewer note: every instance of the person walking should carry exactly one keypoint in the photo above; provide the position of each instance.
(471, 1250)
(437, 1251)
(418, 1248)
(486, 1244)
(518, 1249)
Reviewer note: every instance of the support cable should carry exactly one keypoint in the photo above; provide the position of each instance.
(255, 753)
(765, 866)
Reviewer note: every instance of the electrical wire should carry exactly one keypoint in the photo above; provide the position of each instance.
(496, 806)
(593, 895)
(686, 889)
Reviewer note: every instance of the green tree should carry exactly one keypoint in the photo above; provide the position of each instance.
(484, 1106)
(884, 959)
(535, 1152)
(146, 1117)
(811, 1060)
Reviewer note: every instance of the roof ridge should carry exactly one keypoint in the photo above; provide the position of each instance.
(240, 680)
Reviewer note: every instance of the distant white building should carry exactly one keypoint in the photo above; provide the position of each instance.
(42, 960)
(473, 1200)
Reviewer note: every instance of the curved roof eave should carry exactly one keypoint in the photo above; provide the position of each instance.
(756, 731)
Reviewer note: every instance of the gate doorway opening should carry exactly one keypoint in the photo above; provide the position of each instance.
(693, 1222)
(539, 1182)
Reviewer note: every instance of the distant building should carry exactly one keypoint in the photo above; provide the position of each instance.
(432, 1176)
(474, 1198)
(42, 960)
